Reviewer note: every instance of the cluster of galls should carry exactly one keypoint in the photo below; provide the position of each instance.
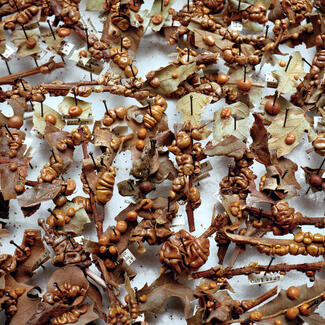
(239, 177)
(148, 229)
(105, 186)
(24, 250)
(96, 47)
(58, 218)
(70, 12)
(71, 316)
(10, 304)
(188, 156)
(67, 250)
(155, 111)
(107, 249)
(296, 10)
(122, 59)
(118, 314)
(64, 293)
(233, 55)
(183, 252)
(22, 17)
(304, 244)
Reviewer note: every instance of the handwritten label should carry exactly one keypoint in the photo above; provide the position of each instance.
(254, 279)
(271, 81)
(42, 259)
(66, 48)
(236, 25)
(8, 52)
(128, 257)
(179, 220)
(91, 65)
(317, 120)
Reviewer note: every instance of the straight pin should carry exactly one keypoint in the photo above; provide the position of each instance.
(92, 158)
(266, 30)
(57, 286)
(54, 155)
(42, 109)
(6, 127)
(149, 103)
(23, 28)
(130, 65)
(51, 29)
(86, 31)
(22, 83)
(268, 267)
(287, 66)
(70, 241)
(285, 117)
(307, 62)
(17, 246)
(191, 100)
(75, 96)
(104, 101)
(52, 213)
(7, 65)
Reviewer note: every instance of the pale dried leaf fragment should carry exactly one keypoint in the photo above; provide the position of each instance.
(288, 76)
(296, 124)
(192, 113)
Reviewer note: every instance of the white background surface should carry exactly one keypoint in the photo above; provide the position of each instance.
(154, 53)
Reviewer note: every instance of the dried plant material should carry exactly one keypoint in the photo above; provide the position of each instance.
(223, 127)
(168, 84)
(19, 39)
(38, 194)
(308, 174)
(95, 5)
(68, 102)
(156, 10)
(191, 106)
(38, 255)
(161, 290)
(220, 42)
(230, 146)
(54, 45)
(39, 120)
(271, 310)
(78, 221)
(296, 124)
(288, 76)
(2, 40)
(260, 141)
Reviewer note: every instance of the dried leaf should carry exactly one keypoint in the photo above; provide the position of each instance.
(166, 170)
(94, 5)
(68, 101)
(282, 302)
(313, 319)
(69, 274)
(220, 44)
(260, 146)
(161, 290)
(168, 84)
(39, 120)
(192, 113)
(156, 10)
(38, 194)
(288, 79)
(38, 255)
(54, 45)
(19, 39)
(2, 39)
(102, 135)
(224, 127)
(296, 124)
(78, 221)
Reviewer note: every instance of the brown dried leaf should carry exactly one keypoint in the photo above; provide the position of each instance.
(260, 146)
(102, 136)
(161, 290)
(2, 39)
(313, 319)
(166, 170)
(69, 274)
(230, 146)
(282, 302)
(38, 193)
(39, 255)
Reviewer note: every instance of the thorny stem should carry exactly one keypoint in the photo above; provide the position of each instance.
(218, 271)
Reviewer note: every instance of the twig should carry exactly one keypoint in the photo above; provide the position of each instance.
(12, 78)
(218, 271)
(249, 304)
